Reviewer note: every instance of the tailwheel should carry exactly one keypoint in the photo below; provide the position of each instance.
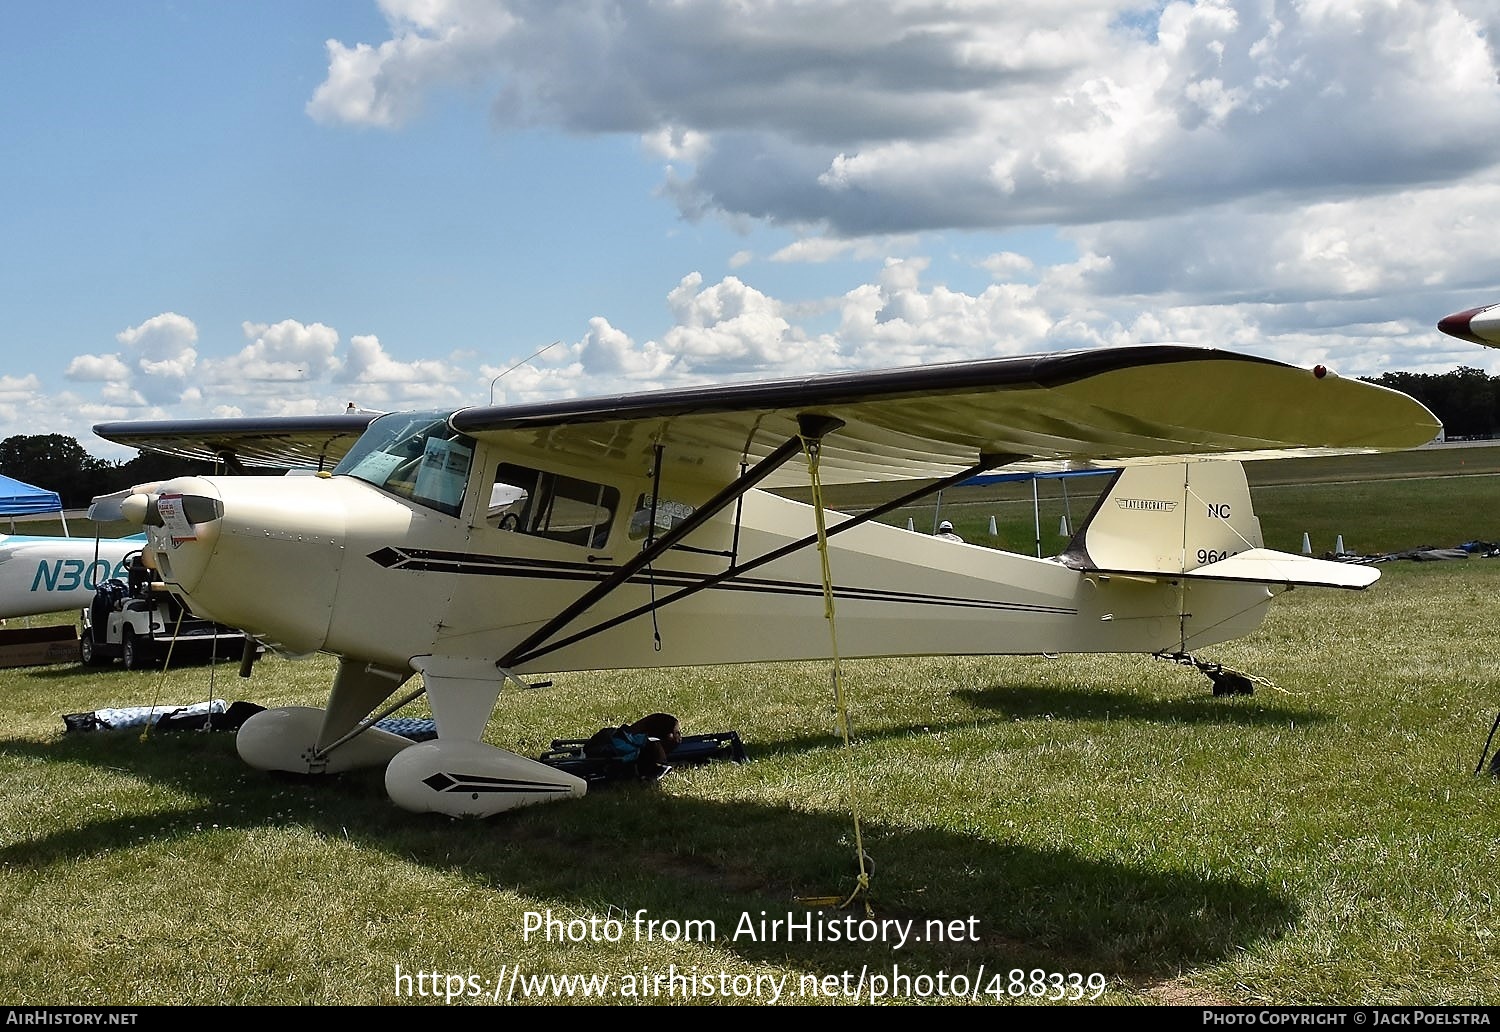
(286, 740)
(472, 779)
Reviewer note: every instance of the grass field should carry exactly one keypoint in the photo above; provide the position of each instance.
(1323, 841)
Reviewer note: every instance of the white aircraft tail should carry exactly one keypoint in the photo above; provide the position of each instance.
(1193, 520)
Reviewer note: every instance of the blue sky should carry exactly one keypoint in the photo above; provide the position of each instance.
(281, 207)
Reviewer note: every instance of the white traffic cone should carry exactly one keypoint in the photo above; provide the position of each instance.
(1338, 549)
(1306, 544)
(993, 531)
(1062, 527)
(909, 524)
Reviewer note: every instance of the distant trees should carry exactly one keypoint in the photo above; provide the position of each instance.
(59, 463)
(1467, 400)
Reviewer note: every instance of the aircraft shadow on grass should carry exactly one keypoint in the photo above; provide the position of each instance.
(688, 859)
(1029, 701)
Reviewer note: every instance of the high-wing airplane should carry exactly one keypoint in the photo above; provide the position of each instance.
(488, 544)
(49, 574)
(1475, 325)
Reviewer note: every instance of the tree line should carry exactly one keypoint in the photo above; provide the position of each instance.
(1467, 400)
(58, 463)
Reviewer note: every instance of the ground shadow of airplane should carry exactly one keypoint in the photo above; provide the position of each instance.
(689, 859)
(1026, 702)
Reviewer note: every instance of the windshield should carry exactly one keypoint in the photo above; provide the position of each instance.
(415, 455)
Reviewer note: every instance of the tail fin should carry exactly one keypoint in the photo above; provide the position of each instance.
(1193, 519)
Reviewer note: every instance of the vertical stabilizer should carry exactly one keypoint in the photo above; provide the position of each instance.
(1168, 518)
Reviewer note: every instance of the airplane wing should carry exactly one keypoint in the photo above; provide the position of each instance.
(1109, 406)
(278, 442)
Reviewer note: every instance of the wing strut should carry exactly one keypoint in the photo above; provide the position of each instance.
(231, 462)
(813, 426)
(985, 464)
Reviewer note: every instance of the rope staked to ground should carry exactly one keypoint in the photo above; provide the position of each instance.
(161, 678)
(812, 449)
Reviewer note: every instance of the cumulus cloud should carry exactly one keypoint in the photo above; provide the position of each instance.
(287, 351)
(609, 354)
(97, 367)
(1313, 181)
(1281, 164)
(815, 249)
(729, 329)
(18, 388)
(909, 116)
(162, 344)
(158, 358)
(899, 320)
(1007, 263)
(368, 362)
(1359, 247)
(434, 43)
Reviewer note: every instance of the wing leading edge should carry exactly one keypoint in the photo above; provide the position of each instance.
(1113, 406)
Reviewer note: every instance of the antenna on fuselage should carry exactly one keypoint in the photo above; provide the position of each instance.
(518, 365)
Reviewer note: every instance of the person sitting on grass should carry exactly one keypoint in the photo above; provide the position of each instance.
(945, 531)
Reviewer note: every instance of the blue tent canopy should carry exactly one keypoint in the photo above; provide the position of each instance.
(18, 499)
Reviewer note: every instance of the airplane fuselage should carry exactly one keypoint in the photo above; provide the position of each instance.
(338, 565)
(50, 574)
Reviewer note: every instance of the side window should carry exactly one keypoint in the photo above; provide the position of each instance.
(550, 505)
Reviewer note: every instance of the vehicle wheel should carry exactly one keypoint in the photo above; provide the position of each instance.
(87, 653)
(131, 652)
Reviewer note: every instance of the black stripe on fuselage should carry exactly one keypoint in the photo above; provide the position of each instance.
(424, 560)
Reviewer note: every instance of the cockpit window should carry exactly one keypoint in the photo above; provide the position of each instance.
(415, 455)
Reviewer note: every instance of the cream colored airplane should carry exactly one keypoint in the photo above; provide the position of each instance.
(494, 544)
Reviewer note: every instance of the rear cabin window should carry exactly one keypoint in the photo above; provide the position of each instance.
(550, 505)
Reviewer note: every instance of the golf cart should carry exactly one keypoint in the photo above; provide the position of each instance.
(140, 621)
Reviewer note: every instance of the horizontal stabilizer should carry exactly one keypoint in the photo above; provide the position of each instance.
(1266, 566)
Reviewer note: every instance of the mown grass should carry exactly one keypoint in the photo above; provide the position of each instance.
(1324, 841)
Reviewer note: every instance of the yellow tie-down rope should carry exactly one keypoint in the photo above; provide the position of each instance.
(861, 891)
(162, 677)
